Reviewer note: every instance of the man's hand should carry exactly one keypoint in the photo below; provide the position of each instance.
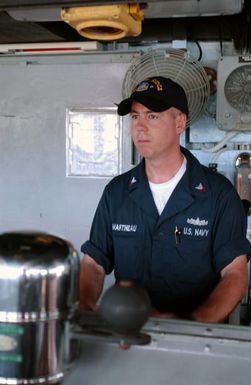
(164, 315)
(91, 280)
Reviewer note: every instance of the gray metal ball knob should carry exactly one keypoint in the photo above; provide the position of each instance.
(125, 307)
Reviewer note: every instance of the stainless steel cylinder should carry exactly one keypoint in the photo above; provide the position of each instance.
(38, 294)
(243, 175)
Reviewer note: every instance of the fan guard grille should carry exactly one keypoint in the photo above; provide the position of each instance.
(238, 88)
(174, 64)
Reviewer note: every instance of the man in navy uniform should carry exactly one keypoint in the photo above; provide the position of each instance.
(170, 224)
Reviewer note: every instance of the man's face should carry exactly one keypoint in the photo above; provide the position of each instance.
(156, 134)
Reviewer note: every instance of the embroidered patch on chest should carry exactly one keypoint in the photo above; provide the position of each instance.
(197, 221)
(124, 227)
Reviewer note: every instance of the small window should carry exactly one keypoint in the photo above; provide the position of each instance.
(93, 142)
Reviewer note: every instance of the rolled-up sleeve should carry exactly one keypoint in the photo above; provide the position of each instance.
(230, 229)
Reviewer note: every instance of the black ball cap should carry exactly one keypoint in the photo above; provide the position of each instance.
(158, 94)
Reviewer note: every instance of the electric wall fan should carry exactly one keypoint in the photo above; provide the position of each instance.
(178, 65)
(233, 111)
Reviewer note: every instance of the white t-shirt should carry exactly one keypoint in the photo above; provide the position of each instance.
(162, 191)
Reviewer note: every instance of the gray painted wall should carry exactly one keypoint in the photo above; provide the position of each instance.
(35, 193)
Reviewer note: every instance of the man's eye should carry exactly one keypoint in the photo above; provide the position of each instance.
(134, 116)
(153, 116)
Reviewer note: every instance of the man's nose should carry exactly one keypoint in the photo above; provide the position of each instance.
(141, 123)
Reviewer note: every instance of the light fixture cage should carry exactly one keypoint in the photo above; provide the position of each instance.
(177, 65)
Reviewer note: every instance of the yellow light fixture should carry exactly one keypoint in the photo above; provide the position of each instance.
(106, 22)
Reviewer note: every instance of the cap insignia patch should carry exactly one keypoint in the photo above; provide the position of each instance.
(157, 84)
(143, 86)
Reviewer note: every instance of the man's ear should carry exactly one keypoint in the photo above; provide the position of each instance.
(181, 122)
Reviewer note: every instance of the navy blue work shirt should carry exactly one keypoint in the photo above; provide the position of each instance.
(176, 256)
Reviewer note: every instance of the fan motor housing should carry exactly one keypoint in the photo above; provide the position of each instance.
(233, 109)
